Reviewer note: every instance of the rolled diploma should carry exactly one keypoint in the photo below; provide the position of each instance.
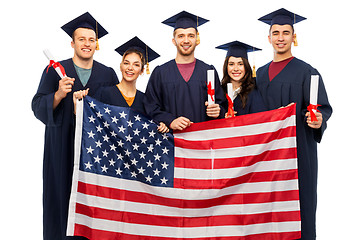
(314, 86)
(50, 57)
(210, 79)
(230, 91)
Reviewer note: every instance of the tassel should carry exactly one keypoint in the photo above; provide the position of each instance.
(97, 44)
(97, 37)
(254, 72)
(147, 68)
(295, 40)
(197, 38)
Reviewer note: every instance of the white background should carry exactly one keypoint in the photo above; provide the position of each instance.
(329, 40)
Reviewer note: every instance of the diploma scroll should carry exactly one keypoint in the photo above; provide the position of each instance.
(56, 65)
(230, 98)
(211, 86)
(314, 86)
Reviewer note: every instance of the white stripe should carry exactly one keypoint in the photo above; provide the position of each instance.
(190, 232)
(228, 132)
(77, 152)
(207, 174)
(160, 210)
(251, 150)
(189, 194)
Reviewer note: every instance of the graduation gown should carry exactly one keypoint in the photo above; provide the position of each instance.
(254, 104)
(112, 95)
(292, 84)
(59, 141)
(168, 96)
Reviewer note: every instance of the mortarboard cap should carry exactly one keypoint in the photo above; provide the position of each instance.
(85, 21)
(281, 17)
(136, 43)
(185, 20)
(237, 49)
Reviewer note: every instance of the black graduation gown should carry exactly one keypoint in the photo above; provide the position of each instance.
(59, 141)
(254, 104)
(112, 95)
(168, 96)
(292, 84)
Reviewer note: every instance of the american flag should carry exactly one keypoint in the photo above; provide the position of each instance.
(227, 179)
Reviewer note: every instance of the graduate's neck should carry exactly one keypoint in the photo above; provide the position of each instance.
(281, 57)
(83, 63)
(128, 88)
(181, 59)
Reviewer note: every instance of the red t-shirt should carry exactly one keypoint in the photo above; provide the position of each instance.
(276, 67)
(186, 70)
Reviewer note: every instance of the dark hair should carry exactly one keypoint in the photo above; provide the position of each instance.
(247, 82)
(141, 55)
(292, 27)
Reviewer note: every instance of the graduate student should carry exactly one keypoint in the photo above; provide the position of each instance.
(284, 80)
(237, 71)
(177, 90)
(136, 54)
(53, 105)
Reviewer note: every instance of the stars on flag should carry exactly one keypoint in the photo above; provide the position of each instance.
(119, 142)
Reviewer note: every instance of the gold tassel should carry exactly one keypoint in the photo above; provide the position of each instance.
(197, 38)
(97, 45)
(295, 40)
(147, 68)
(254, 72)
(97, 37)
(197, 32)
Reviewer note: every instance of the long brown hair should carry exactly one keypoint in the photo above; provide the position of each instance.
(247, 82)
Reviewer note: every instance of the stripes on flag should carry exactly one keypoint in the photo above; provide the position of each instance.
(230, 179)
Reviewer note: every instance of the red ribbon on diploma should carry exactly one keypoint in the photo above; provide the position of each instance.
(312, 107)
(210, 91)
(230, 106)
(55, 65)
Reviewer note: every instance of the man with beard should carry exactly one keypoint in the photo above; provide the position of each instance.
(177, 90)
(53, 105)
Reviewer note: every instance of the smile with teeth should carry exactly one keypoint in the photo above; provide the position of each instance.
(186, 47)
(86, 50)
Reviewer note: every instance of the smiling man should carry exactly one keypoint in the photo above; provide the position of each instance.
(177, 90)
(285, 80)
(53, 105)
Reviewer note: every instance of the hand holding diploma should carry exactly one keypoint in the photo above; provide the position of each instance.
(212, 109)
(314, 117)
(65, 84)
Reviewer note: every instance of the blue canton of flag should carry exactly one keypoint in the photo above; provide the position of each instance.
(119, 142)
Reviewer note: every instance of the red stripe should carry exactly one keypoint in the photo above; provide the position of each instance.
(236, 142)
(221, 163)
(171, 221)
(131, 196)
(243, 120)
(81, 230)
(248, 178)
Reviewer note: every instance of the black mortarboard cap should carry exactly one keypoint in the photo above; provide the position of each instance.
(136, 43)
(237, 49)
(185, 20)
(281, 17)
(84, 21)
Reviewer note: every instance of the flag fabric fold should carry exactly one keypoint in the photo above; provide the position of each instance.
(232, 178)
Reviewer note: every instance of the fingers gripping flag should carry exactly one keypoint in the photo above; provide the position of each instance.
(231, 178)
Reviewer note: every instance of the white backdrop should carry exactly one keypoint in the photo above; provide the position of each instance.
(328, 40)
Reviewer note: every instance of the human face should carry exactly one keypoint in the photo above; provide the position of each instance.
(236, 69)
(84, 43)
(185, 41)
(130, 67)
(281, 37)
